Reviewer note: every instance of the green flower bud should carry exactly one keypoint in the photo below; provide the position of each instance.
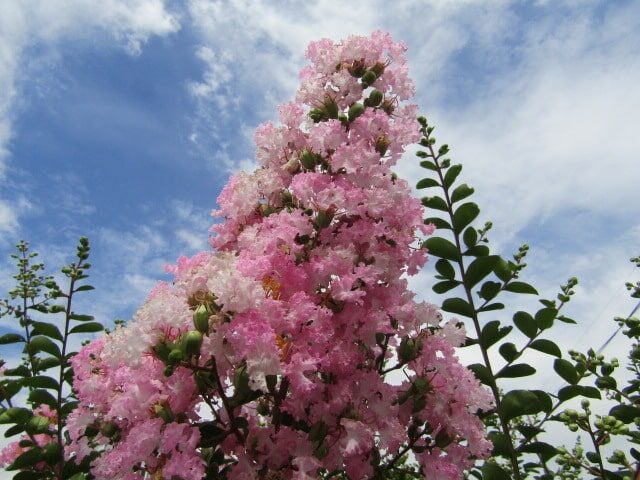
(378, 69)
(192, 342)
(355, 111)
(317, 115)
(409, 349)
(175, 356)
(201, 319)
(375, 98)
(323, 219)
(308, 159)
(109, 429)
(331, 107)
(368, 78)
(163, 411)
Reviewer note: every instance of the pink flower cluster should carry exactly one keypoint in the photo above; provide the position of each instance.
(296, 347)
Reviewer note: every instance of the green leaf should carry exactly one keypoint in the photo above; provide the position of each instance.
(9, 338)
(492, 333)
(477, 251)
(85, 288)
(15, 430)
(459, 306)
(464, 215)
(625, 413)
(15, 415)
(41, 343)
(529, 431)
(470, 237)
(489, 290)
(501, 445)
(491, 307)
(566, 370)
(48, 329)
(27, 459)
(436, 203)
(445, 286)
(438, 222)
(481, 372)
(525, 323)
(57, 308)
(545, 317)
(81, 318)
(89, 327)
(479, 269)
(503, 270)
(42, 396)
(426, 183)
(19, 371)
(444, 268)
(591, 392)
(38, 424)
(568, 392)
(440, 247)
(429, 165)
(515, 371)
(520, 287)
(519, 402)
(509, 351)
(491, 471)
(46, 363)
(41, 381)
(546, 346)
(461, 192)
(452, 174)
(545, 450)
(545, 400)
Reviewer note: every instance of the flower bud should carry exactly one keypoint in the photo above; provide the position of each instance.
(163, 411)
(377, 69)
(409, 349)
(331, 107)
(323, 219)
(355, 111)
(308, 159)
(375, 98)
(317, 115)
(201, 319)
(368, 78)
(192, 342)
(175, 356)
(109, 429)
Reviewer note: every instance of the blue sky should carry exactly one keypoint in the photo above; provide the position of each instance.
(123, 121)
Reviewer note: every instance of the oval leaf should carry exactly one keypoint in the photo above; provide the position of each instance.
(515, 371)
(519, 402)
(89, 327)
(440, 247)
(464, 215)
(520, 287)
(479, 268)
(459, 306)
(461, 192)
(546, 346)
(47, 329)
(525, 323)
(566, 370)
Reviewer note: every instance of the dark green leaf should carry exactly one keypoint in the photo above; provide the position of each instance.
(492, 333)
(464, 215)
(445, 286)
(545, 317)
(516, 370)
(568, 392)
(89, 327)
(48, 329)
(41, 343)
(15, 415)
(501, 444)
(452, 174)
(8, 338)
(28, 458)
(85, 288)
(525, 323)
(529, 431)
(635, 454)
(426, 183)
(19, 371)
(459, 306)
(477, 251)
(46, 363)
(15, 430)
(546, 346)
(57, 308)
(520, 287)
(42, 396)
(545, 400)
(479, 268)
(564, 319)
(491, 471)
(491, 307)
(440, 247)
(461, 192)
(429, 165)
(489, 290)
(593, 457)
(503, 270)
(545, 450)
(41, 381)
(509, 351)
(481, 372)
(591, 392)
(438, 222)
(566, 370)
(81, 318)
(436, 203)
(470, 237)
(519, 402)
(444, 268)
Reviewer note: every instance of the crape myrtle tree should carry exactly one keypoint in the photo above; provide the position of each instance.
(270, 357)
